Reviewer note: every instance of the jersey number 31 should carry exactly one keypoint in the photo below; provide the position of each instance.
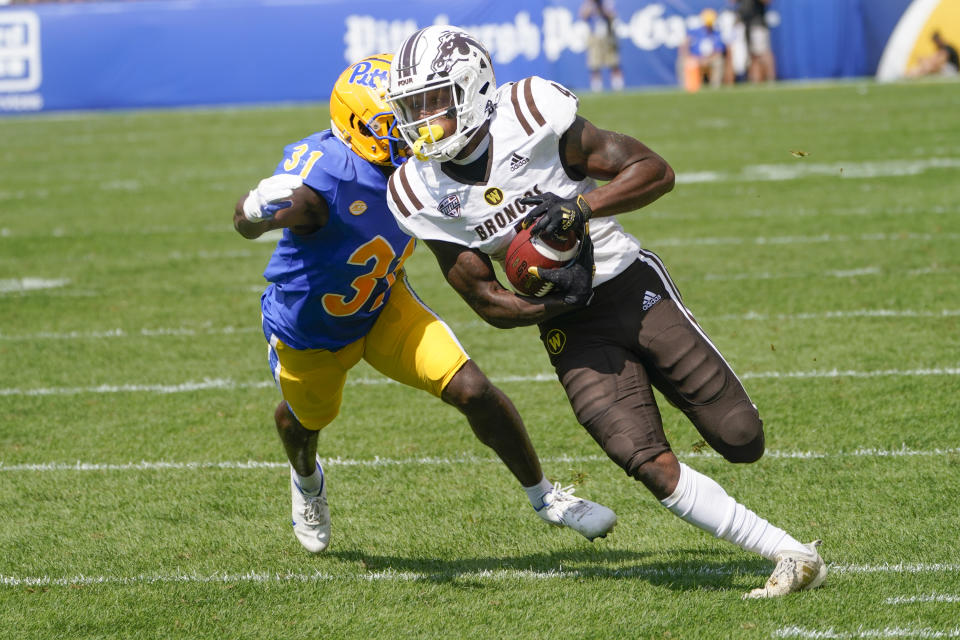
(385, 267)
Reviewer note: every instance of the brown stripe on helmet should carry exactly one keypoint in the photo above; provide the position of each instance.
(531, 105)
(406, 66)
(515, 99)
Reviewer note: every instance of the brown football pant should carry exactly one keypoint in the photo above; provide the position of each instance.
(637, 335)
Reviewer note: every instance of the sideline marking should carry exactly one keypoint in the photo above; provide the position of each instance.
(377, 461)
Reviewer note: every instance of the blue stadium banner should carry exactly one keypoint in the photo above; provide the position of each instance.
(158, 53)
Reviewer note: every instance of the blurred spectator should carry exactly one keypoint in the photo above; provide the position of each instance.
(753, 15)
(943, 61)
(603, 51)
(703, 56)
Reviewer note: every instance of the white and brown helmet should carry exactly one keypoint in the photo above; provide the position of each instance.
(445, 59)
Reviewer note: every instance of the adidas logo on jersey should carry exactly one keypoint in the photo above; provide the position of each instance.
(517, 161)
(650, 298)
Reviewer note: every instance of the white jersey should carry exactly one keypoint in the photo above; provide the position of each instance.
(531, 115)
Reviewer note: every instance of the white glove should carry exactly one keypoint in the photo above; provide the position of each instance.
(270, 196)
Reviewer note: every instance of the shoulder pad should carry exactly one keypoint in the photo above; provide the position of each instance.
(537, 102)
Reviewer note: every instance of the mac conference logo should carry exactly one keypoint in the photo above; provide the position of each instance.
(20, 70)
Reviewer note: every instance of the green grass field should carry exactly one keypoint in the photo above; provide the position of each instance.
(815, 232)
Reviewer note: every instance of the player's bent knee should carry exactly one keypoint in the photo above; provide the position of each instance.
(287, 422)
(659, 474)
(284, 417)
(741, 433)
(469, 388)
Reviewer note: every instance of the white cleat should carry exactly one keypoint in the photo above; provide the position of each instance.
(591, 520)
(795, 571)
(311, 515)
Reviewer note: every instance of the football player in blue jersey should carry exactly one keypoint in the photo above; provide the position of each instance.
(338, 293)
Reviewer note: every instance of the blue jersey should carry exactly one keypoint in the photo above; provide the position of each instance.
(704, 43)
(327, 288)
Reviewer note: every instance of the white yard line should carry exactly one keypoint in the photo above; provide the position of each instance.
(777, 172)
(804, 169)
(123, 333)
(161, 465)
(887, 632)
(788, 240)
(859, 272)
(228, 384)
(20, 285)
(933, 597)
(830, 315)
(837, 373)
(189, 331)
(487, 575)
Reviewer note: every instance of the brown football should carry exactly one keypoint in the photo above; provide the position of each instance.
(541, 252)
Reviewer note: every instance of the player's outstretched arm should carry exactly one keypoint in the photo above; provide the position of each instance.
(637, 175)
(471, 274)
(280, 201)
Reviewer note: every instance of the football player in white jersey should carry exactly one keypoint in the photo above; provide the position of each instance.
(492, 158)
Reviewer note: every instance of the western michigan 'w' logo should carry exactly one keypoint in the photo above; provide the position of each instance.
(555, 341)
(493, 196)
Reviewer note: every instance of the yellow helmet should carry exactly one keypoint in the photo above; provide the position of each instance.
(360, 117)
(708, 16)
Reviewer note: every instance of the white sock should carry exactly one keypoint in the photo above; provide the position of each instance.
(312, 484)
(703, 503)
(537, 491)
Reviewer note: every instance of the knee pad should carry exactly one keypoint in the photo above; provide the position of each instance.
(741, 434)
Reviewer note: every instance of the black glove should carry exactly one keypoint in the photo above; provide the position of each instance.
(574, 281)
(556, 215)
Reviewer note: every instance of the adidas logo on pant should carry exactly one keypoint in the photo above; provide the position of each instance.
(650, 298)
